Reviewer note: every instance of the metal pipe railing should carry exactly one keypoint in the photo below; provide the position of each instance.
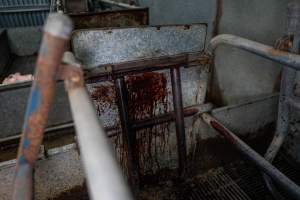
(288, 59)
(286, 95)
(104, 177)
(129, 135)
(179, 119)
(56, 34)
(253, 156)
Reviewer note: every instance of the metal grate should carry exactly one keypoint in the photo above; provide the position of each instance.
(250, 179)
(237, 181)
(215, 185)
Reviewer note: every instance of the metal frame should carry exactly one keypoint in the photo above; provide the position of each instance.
(94, 144)
(287, 99)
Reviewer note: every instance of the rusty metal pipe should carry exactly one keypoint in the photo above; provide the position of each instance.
(129, 135)
(179, 119)
(253, 156)
(104, 177)
(136, 125)
(168, 117)
(56, 34)
(288, 59)
(286, 98)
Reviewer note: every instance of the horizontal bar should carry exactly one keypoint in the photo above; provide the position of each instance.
(137, 125)
(24, 8)
(107, 71)
(119, 4)
(187, 112)
(289, 59)
(253, 156)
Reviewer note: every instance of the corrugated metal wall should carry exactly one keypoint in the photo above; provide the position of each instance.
(20, 13)
(5, 3)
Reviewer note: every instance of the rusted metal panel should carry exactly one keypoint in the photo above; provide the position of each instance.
(76, 6)
(120, 18)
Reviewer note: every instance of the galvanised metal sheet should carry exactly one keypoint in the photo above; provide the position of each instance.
(103, 46)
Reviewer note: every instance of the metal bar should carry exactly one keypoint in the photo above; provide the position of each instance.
(129, 136)
(133, 67)
(137, 125)
(179, 118)
(27, 8)
(253, 156)
(104, 177)
(168, 117)
(119, 4)
(286, 94)
(105, 72)
(289, 59)
(57, 31)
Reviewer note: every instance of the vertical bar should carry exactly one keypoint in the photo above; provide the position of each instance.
(284, 109)
(57, 30)
(129, 136)
(104, 177)
(179, 118)
(286, 93)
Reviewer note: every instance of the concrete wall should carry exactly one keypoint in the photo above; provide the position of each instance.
(238, 76)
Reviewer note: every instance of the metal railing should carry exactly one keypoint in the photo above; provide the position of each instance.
(104, 178)
(287, 99)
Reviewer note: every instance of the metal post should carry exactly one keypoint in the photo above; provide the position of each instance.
(286, 95)
(56, 34)
(179, 118)
(257, 159)
(104, 177)
(129, 136)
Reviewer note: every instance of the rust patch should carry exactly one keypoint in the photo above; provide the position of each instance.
(104, 97)
(148, 97)
(122, 18)
(276, 52)
(146, 92)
